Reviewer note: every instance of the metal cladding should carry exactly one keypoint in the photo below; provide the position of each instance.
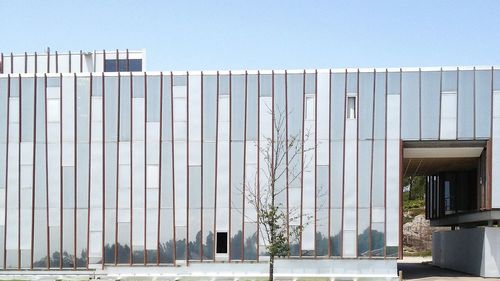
(148, 167)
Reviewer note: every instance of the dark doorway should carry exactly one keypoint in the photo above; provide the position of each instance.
(221, 243)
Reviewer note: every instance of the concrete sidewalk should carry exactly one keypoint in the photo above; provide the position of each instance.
(421, 268)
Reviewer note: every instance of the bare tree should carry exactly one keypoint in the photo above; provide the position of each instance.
(282, 164)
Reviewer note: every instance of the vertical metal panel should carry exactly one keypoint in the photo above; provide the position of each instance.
(400, 249)
(329, 164)
(489, 171)
(216, 163)
(286, 159)
(244, 168)
(401, 99)
(89, 168)
(47, 173)
(201, 161)
(392, 169)
(173, 163)
(103, 61)
(200, 120)
(357, 164)
(6, 171)
(60, 176)
(57, 62)
(302, 160)
(400, 228)
(48, 60)
(440, 99)
(458, 101)
(117, 68)
(117, 168)
(322, 184)
(273, 118)
(343, 168)
(482, 108)
(385, 165)
(315, 157)
(187, 168)
(230, 166)
(131, 91)
(19, 180)
(128, 62)
(81, 61)
(74, 168)
(420, 104)
(145, 163)
(371, 165)
(426, 197)
(491, 101)
(489, 156)
(474, 104)
(258, 163)
(70, 66)
(159, 166)
(103, 168)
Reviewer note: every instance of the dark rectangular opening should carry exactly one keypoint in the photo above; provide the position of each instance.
(123, 65)
(452, 178)
(221, 243)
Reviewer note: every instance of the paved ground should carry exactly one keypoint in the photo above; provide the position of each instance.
(417, 268)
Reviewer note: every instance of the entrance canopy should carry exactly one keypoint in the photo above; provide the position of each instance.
(424, 158)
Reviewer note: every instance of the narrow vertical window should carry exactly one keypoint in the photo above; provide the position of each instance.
(351, 107)
(309, 108)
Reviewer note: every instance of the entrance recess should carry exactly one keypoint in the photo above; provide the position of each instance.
(457, 179)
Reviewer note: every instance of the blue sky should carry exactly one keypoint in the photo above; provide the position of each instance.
(208, 35)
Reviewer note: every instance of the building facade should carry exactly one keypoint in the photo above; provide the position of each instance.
(107, 172)
(55, 62)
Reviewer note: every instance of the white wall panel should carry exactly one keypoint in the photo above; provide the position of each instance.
(266, 123)
(392, 169)
(393, 114)
(14, 110)
(309, 185)
(349, 245)
(194, 108)
(52, 66)
(68, 110)
(392, 174)
(18, 64)
(138, 118)
(448, 116)
(194, 153)
(75, 62)
(7, 63)
(30, 63)
(323, 118)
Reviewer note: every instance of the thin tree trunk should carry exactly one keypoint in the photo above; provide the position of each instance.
(271, 268)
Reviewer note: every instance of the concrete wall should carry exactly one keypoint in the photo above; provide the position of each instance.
(285, 269)
(475, 251)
